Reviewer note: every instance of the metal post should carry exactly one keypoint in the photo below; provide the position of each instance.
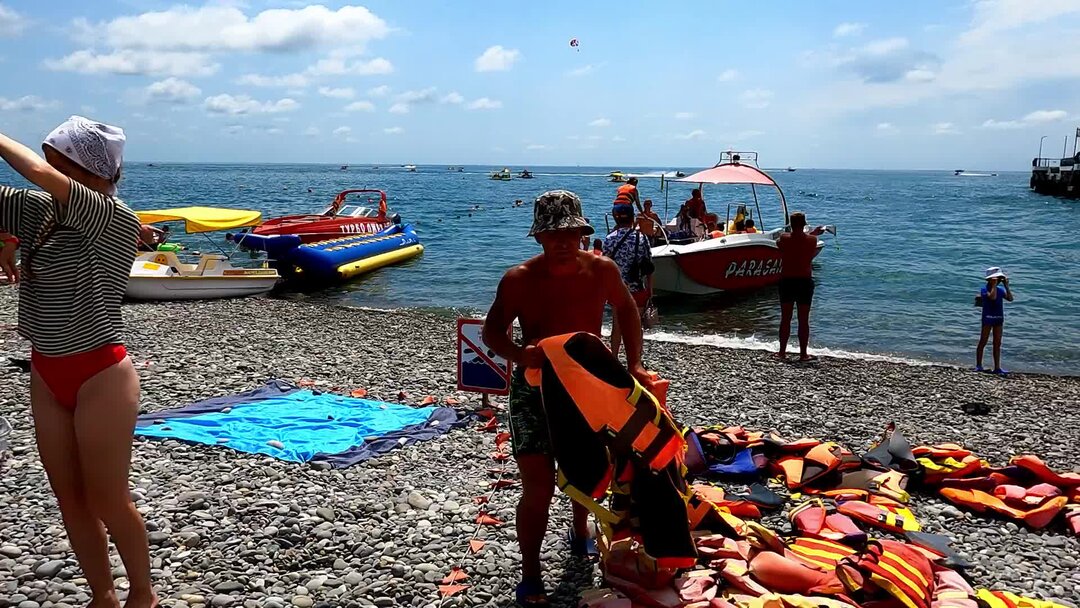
(1064, 146)
(1040, 145)
(485, 401)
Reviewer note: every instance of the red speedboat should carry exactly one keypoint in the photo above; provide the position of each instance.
(698, 262)
(337, 219)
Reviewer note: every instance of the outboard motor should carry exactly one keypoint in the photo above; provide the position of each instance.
(396, 219)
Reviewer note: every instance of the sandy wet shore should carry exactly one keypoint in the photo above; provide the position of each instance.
(232, 529)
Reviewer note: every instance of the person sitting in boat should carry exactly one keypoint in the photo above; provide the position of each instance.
(695, 206)
(648, 222)
(150, 237)
(597, 247)
(749, 226)
(738, 223)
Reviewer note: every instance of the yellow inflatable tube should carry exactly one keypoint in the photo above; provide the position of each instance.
(359, 267)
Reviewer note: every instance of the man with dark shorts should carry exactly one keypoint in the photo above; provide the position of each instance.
(563, 290)
(797, 251)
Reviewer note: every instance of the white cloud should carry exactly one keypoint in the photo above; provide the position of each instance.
(399, 108)
(537, 147)
(226, 28)
(453, 97)
(312, 132)
(886, 46)
(497, 59)
(11, 23)
(419, 96)
(484, 103)
(26, 103)
(340, 65)
(288, 80)
(920, 75)
(995, 16)
(600, 122)
(1002, 124)
(379, 91)
(885, 127)
(360, 106)
(946, 128)
(1038, 117)
(172, 90)
(728, 75)
(129, 62)
(684, 115)
(1045, 116)
(242, 104)
(618, 139)
(757, 98)
(337, 93)
(585, 70)
(393, 130)
(342, 132)
(848, 29)
(695, 134)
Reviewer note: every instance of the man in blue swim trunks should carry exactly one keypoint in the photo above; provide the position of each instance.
(992, 298)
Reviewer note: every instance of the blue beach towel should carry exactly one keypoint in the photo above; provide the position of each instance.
(308, 426)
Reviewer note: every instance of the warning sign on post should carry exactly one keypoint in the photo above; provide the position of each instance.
(479, 369)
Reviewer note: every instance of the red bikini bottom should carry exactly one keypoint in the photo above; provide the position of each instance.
(65, 375)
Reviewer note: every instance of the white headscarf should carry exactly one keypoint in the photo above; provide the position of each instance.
(94, 146)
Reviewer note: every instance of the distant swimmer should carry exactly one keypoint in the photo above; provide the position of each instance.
(992, 298)
(309, 189)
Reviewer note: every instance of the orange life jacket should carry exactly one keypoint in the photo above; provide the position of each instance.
(788, 575)
(1037, 516)
(1043, 473)
(818, 462)
(896, 519)
(819, 553)
(946, 461)
(820, 519)
(625, 194)
(952, 591)
(892, 567)
(708, 501)
(1004, 599)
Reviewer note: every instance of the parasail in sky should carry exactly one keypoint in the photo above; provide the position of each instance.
(574, 44)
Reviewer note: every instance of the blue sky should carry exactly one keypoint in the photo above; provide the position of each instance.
(828, 84)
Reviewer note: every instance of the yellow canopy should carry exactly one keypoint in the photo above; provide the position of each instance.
(203, 219)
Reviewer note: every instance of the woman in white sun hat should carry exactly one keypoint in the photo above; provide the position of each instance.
(992, 299)
(77, 242)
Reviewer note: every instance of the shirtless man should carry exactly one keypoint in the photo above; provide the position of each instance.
(563, 290)
(797, 251)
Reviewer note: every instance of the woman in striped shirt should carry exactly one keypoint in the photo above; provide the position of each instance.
(77, 244)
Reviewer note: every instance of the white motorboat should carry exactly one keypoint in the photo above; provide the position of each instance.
(410, 168)
(699, 262)
(161, 275)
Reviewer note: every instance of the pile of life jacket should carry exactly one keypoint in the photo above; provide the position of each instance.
(854, 540)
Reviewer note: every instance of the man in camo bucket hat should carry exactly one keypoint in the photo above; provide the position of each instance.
(558, 210)
(562, 290)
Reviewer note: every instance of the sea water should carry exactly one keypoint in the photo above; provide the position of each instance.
(898, 281)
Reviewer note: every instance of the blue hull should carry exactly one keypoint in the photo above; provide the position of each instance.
(324, 260)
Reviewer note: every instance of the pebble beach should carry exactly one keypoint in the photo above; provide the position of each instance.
(234, 529)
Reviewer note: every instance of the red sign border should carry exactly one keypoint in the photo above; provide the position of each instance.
(461, 322)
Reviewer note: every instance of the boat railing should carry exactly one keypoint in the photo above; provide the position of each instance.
(733, 156)
(1046, 163)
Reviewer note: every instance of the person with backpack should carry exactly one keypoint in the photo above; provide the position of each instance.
(632, 253)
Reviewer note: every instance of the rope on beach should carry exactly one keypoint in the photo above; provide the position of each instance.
(483, 510)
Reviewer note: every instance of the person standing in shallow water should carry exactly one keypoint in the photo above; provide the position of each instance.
(77, 244)
(797, 250)
(562, 290)
(992, 298)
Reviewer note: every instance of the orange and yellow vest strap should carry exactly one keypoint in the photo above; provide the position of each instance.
(819, 553)
(892, 566)
(1004, 599)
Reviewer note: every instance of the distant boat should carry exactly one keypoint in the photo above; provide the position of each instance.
(344, 167)
(791, 169)
(962, 173)
(616, 176)
(410, 168)
(149, 164)
(525, 174)
(503, 175)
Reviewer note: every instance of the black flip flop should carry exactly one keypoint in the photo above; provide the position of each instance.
(530, 593)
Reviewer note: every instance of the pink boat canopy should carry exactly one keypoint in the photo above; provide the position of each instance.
(730, 173)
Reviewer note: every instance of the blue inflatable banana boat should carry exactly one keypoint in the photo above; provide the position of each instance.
(336, 259)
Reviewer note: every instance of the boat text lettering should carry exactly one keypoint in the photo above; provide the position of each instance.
(754, 268)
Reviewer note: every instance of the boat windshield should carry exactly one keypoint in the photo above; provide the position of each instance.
(357, 211)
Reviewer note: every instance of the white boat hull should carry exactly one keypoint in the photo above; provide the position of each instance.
(160, 276)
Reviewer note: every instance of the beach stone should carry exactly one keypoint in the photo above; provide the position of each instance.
(384, 602)
(10, 551)
(340, 564)
(354, 578)
(50, 568)
(302, 601)
(222, 600)
(29, 604)
(229, 587)
(326, 513)
(417, 500)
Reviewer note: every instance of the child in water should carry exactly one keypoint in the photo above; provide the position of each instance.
(992, 299)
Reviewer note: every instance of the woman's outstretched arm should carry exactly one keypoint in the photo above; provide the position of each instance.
(35, 169)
